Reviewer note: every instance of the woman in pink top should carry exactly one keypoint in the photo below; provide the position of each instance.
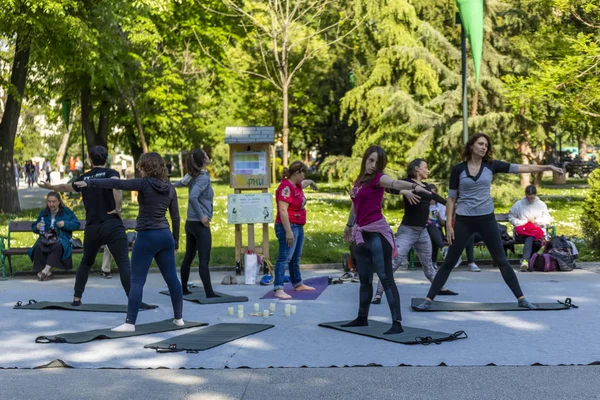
(373, 236)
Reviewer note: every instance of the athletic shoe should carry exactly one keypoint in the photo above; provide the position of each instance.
(376, 300)
(347, 276)
(106, 275)
(424, 306)
(444, 252)
(523, 303)
(524, 266)
(355, 278)
(474, 268)
(458, 263)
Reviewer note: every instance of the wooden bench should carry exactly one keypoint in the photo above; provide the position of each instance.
(7, 251)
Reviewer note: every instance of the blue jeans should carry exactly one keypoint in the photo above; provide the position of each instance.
(154, 244)
(289, 256)
(375, 256)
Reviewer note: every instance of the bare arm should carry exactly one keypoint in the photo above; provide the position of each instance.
(285, 221)
(390, 183)
(349, 225)
(449, 218)
(309, 182)
(63, 187)
(118, 196)
(526, 168)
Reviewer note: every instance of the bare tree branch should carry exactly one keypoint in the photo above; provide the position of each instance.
(231, 67)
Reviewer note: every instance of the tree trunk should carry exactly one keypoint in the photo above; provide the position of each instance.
(86, 118)
(103, 124)
(582, 145)
(134, 146)
(138, 125)
(62, 149)
(286, 128)
(474, 105)
(9, 198)
(537, 179)
(524, 177)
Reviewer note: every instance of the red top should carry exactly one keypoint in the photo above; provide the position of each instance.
(295, 197)
(367, 200)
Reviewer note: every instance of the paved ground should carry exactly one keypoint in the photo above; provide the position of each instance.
(513, 341)
(506, 383)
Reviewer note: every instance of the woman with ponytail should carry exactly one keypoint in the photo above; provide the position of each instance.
(197, 225)
(289, 226)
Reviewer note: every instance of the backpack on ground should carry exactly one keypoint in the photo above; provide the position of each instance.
(542, 262)
(561, 250)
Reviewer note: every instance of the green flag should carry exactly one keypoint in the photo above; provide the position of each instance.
(471, 15)
(66, 111)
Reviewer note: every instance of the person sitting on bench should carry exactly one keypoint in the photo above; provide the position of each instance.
(530, 217)
(55, 225)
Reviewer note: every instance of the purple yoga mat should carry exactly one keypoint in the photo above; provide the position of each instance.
(319, 283)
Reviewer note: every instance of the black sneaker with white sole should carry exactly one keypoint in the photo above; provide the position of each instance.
(347, 276)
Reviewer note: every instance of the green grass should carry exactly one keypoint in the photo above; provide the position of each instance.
(327, 215)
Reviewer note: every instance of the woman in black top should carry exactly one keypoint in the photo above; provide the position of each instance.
(469, 192)
(412, 232)
(154, 239)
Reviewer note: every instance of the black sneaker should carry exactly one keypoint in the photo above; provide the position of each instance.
(347, 276)
(355, 278)
(106, 275)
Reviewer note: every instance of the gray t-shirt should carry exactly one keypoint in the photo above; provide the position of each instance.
(473, 192)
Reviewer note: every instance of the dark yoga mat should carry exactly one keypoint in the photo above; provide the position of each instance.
(409, 336)
(207, 338)
(319, 283)
(453, 306)
(199, 296)
(50, 305)
(98, 334)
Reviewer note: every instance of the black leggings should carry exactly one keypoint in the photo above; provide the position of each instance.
(199, 239)
(112, 234)
(464, 229)
(375, 255)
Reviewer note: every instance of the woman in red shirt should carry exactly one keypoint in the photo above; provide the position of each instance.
(289, 226)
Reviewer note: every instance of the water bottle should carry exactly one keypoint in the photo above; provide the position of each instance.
(42, 227)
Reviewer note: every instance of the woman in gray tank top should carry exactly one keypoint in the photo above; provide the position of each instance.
(469, 193)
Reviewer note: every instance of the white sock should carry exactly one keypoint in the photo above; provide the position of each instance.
(47, 269)
(178, 322)
(124, 328)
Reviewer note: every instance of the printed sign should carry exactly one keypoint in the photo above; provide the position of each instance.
(250, 208)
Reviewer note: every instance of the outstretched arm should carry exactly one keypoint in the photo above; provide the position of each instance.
(131, 184)
(64, 187)
(526, 168)
(390, 183)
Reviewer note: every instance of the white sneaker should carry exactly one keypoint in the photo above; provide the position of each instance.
(458, 262)
(474, 268)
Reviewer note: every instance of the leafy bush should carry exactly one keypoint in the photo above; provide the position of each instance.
(590, 218)
(219, 162)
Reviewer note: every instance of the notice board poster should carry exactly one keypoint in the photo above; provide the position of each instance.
(250, 208)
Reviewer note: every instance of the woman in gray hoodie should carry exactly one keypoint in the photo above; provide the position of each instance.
(197, 225)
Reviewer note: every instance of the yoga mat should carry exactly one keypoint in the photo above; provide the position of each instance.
(452, 306)
(319, 283)
(98, 334)
(50, 305)
(207, 338)
(199, 296)
(409, 336)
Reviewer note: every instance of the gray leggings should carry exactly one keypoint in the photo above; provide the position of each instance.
(406, 238)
